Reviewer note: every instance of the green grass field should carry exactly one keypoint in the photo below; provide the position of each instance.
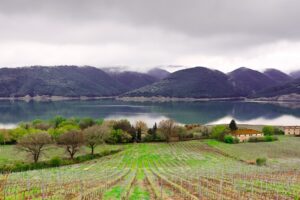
(185, 170)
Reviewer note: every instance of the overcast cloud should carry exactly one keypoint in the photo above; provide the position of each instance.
(220, 34)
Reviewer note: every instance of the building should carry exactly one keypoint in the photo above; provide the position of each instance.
(291, 130)
(244, 134)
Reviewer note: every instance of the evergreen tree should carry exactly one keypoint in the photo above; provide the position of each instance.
(154, 130)
(233, 125)
(139, 135)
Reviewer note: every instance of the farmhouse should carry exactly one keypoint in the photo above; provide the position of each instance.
(291, 130)
(244, 134)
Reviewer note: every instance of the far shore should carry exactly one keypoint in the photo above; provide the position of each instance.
(291, 98)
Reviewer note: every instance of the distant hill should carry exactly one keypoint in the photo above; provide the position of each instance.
(158, 73)
(198, 82)
(132, 80)
(278, 76)
(69, 81)
(295, 74)
(247, 81)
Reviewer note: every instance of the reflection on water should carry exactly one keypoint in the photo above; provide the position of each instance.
(182, 112)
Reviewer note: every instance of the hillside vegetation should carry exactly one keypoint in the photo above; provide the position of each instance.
(198, 82)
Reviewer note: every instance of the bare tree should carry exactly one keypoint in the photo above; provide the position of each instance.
(72, 141)
(167, 128)
(94, 136)
(34, 144)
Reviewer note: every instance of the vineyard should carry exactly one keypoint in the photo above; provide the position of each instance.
(183, 170)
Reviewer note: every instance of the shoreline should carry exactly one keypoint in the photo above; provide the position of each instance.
(178, 99)
(28, 98)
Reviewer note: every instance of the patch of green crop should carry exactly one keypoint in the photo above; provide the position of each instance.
(114, 193)
(139, 194)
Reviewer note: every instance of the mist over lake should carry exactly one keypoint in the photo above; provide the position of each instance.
(14, 112)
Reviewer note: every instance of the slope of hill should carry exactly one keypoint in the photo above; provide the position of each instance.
(248, 81)
(69, 81)
(198, 82)
(277, 75)
(295, 74)
(289, 88)
(158, 73)
(132, 80)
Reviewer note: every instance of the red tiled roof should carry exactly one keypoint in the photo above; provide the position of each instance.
(245, 132)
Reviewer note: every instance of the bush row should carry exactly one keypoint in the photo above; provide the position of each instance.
(54, 162)
(267, 138)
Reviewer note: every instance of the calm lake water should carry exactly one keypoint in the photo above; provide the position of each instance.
(13, 112)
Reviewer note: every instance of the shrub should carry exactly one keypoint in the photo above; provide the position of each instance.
(228, 139)
(147, 138)
(42, 126)
(218, 132)
(268, 138)
(68, 123)
(268, 130)
(256, 139)
(278, 131)
(261, 161)
(86, 122)
(56, 161)
(118, 136)
(231, 140)
(236, 140)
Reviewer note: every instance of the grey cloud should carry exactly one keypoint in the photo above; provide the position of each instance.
(147, 32)
(193, 17)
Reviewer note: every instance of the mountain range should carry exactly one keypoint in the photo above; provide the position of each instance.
(197, 82)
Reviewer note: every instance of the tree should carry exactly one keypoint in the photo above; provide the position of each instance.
(218, 132)
(5, 137)
(118, 136)
(154, 130)
(94, 136)
(56, 121)
(268, 130)
(233, 126)
(122, 124)
(34, 144)
(72, 141)
(167, 128)
(86, 122)
(141, 128)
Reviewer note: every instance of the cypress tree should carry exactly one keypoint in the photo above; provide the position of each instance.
(233, 125)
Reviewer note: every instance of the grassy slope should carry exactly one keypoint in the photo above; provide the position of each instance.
(286, 150)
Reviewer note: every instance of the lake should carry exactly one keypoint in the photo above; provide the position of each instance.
(213, 112)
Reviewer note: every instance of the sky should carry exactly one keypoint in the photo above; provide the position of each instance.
(141, 34)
